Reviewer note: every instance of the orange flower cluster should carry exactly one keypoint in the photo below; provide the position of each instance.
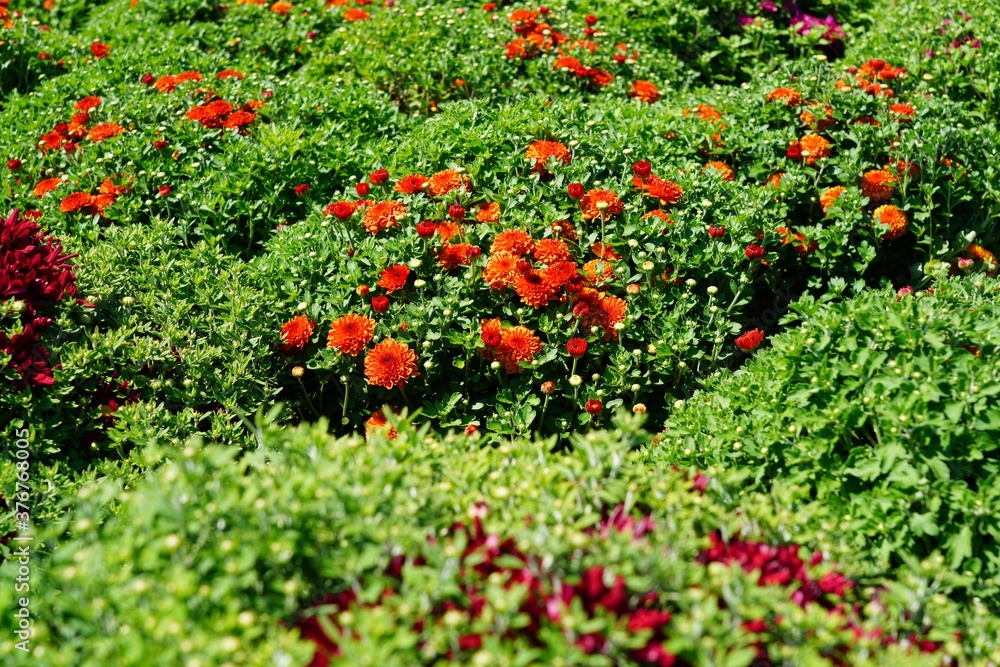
(870, 75)
(68, 135)
(534, 36)
(90, 204)
(169, 82)
(645, 91)
(219, 114)
(510, 346)
(829, 196)
(789, 96)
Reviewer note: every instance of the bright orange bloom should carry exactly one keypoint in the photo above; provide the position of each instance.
(709, 113)
(500, 270)
(281, 8)
(901, 109)
(47, 186)
(549, 251)
(814, 147)
(515, 241)
(605, 251)
(541, 151)
(600, 202)
(104, 131)
(377, 422)
(564, 229)
(410, 185)
(518, 344)
(523, 17)
(878, 184)
(88, 103)
(383, 215)
(166, 83)
(666, 191)
(560, 273)
(722, 169)
(350, 334)
(488, 212)
(659, 215)
(829, 196)
(533, 289)
(789, 96)
(390, 364)
(228, 74)
(894, 218)
(108, 187)
(448, 230)
(985, 256)
(445, 181)
(76, 202)
(605, 311)
(239, 119)
(296, 332)
(353, 14)
(598, 271)
(491, 332)
(645, 91)
(453, 255)
(394, 278)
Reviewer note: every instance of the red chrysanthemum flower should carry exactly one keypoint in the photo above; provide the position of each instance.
(541, 151)
(709, 113)
(390, 364)
(88, 104)
(491, 332)
(593, 406)
(383, 215)
(748, 341)
(878, 184)
(448, 230)
(577, 347)
(393, 278)
(100, 50)
(411, 185)
(596, 203)
(350, 334)
(296, 333)
(605, 251)
(901, 109)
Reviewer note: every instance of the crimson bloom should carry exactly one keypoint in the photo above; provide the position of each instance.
(750, 340)
(577, 347)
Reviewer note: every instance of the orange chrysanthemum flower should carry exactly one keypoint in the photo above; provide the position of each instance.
(517, 345)
(453, 255)
(515, 241)
(88, 103)
(722, 169)
(296, 333)
(47, 186)
(76, 202)
(500, 270)
(605, 251)
(829, 196)
(411, 185)
(281, 8)
(445, 181)
(353, 14)
(645, 91)
(488, 212)
(541, 151)
(491, 332)
(377, 422)
(789, 96)
(228, 74)
(383, 215)
(659, 215)
(814, 147)
(109, 187)
(709, 113)
(104, 131)
(350, 334)
(564, 229)
(523, 17)
(774, 180)
(390, 364)
(533, 289)
(878, 185)
(604, 311)
(666, 191)
(977, 251)
(393, 278)
(448, 230)
(600, 202)
(598, 271)
(894, 218)
(560, 273)
(549, 251)
(239, 119)
(901, 109)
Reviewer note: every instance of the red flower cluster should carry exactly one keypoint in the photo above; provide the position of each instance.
(219, 114)
(35, 273)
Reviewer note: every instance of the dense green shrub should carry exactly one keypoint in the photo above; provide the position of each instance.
(212, 558)
(880, 408)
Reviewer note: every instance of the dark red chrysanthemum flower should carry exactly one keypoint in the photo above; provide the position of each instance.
(748, 341)
(577, 347)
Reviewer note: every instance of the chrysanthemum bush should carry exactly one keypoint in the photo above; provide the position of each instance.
(316, 550)
(881, 409)
(483, 250)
